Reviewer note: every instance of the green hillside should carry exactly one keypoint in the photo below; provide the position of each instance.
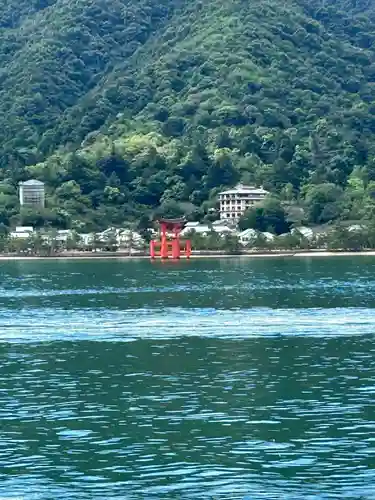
(124, 108)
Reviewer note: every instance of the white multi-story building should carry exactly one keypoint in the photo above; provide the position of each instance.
(234, 202)
(32, 193)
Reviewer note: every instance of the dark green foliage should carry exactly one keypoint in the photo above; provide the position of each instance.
(169, 210)
(324, 202)
(40, 218)
(122, 107)
(270, 216)
(228, 243)
(343, 239)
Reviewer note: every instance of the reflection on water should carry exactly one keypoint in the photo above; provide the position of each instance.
(197, 383)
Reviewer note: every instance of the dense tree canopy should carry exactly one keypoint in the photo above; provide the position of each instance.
(269, 216)
(124, 106)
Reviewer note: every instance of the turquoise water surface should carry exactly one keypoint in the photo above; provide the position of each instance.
(222, 378)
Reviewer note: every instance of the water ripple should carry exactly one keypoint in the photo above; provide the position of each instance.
(37, 325)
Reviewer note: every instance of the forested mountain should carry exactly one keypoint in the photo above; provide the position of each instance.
(126, 107)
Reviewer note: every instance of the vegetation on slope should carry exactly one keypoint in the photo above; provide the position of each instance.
(124, 108)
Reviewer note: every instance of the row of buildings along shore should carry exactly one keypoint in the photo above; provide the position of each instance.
(126, 238)
(232, 205)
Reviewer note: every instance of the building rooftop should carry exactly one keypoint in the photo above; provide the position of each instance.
(192, 224)
(206, 229)
(248, 233)
(32, 182)
(243, 189)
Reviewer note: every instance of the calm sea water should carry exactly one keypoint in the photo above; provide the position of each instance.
(209, 379)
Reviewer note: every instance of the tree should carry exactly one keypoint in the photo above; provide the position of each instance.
(110, 243)
(270, 216)
(231, 244)
(223, 139)
(73, 241)
(324, 202)
(288, 241)
(221, 171)
(342, 238)
(42, 217)
(36, 244)
(69, 190)
(169, 210)
(174, 126)
(144, 227)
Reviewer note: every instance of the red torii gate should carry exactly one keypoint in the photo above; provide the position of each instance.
(170, 245)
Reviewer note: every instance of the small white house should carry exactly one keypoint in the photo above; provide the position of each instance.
(250, 235)
(124, 237)
(86, 238)
(306, 232)
(268, 236)
(205, 229)
(127, 237)
(191, 225)
(247, 236)
(22, 232)
(63, 235)
(356, 228)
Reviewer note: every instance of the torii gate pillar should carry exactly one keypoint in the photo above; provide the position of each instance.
(170, 246)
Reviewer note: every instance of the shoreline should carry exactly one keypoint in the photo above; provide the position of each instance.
(201, 255)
